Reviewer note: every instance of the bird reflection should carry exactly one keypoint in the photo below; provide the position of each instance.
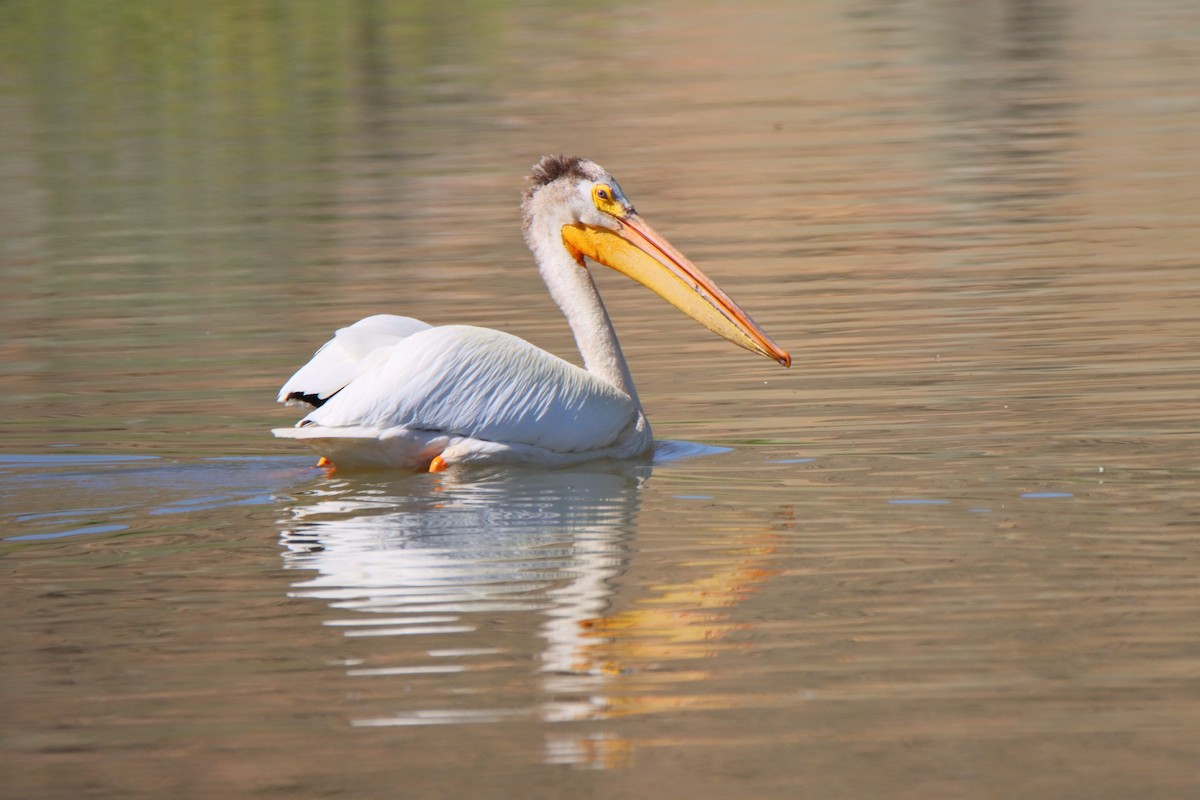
(454, 572)
(510, 541)
(429, 556)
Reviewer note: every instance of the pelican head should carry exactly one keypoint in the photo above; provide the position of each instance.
(576, 205)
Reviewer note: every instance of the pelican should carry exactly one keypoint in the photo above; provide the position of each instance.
(392, 391)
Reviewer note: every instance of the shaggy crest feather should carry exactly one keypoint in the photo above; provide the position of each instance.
(551, 168)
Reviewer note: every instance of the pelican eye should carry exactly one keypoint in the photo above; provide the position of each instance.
(606, 200)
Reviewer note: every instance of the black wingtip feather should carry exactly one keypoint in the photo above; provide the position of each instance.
(312, 399)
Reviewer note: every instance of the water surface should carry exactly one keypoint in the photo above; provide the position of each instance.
(953, 552)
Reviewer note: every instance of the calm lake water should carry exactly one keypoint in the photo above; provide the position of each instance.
(954, 552)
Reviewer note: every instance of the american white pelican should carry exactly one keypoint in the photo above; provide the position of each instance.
(394, 391)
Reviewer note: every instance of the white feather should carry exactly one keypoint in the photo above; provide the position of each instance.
(459, 383)
(351, 352)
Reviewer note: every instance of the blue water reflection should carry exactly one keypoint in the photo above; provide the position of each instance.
(47, 497)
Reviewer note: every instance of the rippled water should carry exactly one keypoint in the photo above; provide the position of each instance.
(953, 552)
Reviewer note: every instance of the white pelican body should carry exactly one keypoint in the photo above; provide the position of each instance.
(393, 391)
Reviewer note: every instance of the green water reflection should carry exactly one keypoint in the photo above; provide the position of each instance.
(175, 175)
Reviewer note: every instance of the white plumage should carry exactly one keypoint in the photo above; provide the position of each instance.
(483, 394)
(394, 391)
(351, 352)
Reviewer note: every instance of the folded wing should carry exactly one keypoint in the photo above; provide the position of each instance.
(478, 383)
(351, 352)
